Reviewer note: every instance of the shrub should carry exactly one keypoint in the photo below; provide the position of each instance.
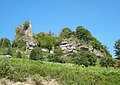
(19, 55)
(58, 51)
(7, 51)
(36, 54)
(106, 62)
(37, 79)
(54, 58)
(84, 58)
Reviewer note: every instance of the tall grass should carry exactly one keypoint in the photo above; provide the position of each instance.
(20, 69)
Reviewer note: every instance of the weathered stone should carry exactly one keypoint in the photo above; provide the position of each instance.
(98, 53)
(44, 50)
(8, 56)
(84, 47)
(27, 37)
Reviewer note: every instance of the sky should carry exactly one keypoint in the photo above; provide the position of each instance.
(100, 17)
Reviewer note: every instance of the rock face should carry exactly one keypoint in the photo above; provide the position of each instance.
(30, 44)
(70, 46)
(26, 29)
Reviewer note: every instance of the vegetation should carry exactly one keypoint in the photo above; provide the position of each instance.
(26, 24)
(19, 55)
(107, 62)
(81, 68)
(18, 70)
(36, 54)
(4, 42)
(117, 48)
(83, 58)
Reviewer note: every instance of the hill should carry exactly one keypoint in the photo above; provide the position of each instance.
(71, 58)
(64, 74)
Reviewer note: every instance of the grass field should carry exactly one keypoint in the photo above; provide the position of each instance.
(20, 69)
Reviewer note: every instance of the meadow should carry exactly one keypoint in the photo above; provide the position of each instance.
(19, 69)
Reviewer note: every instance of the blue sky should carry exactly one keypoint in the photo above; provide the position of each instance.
(100, 17)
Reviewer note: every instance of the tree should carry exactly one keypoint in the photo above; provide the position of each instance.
(117, 48)
(19, 43)
(39, 37)
(82, 33)
(4, 42)
(66, 33)
(46, 40)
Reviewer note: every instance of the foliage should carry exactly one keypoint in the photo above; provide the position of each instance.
(4, 42)
(19, 43)
(66, 33)
(36, 54)
(19, 33)
(26, 24)
(58, 51)
(107, 62)
(8, 51)
(84, 58)
(37, 79)
(19, 70)
(82, 33)
(46, 40)
(19, 54)
(54, 58)
(117, 48)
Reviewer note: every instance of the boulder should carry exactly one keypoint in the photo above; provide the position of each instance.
(97, 53)
(8, 56)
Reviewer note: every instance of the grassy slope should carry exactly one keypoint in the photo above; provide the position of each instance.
(18, 70)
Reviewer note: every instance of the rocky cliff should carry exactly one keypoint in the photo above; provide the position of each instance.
(24, 33)
(71, 46)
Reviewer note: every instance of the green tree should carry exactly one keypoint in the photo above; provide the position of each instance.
(4, 42)
(19, 43)
(39, 37)
(117, 48)
(46, 40)
(82, 33)
(66, 33)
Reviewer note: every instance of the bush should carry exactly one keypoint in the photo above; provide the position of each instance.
(58, 51)
(36, 54)
(84, 58)
(19, 55)
(106, 62)
(54, 58)
(7, 51)
(37, 79)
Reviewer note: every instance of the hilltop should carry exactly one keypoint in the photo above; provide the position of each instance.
(72, 57)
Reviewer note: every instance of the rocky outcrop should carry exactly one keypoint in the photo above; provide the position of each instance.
(70, 46)
(26, 30)
(30, 44)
